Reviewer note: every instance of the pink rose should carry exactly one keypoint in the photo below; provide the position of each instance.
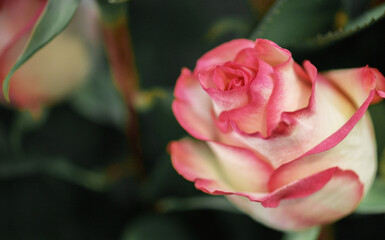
(290, 147)
(53, 72)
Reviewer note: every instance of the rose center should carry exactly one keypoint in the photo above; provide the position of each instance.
(228, 79)
(236, 82)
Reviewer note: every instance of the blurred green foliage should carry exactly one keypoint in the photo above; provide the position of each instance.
(69, 175)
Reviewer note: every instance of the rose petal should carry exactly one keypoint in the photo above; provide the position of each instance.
(290, 93)
(221, 54)
(381, 93)
(300, 188)
(220, 170)
(248, 119)
(357, 82)
(346, 154)
(248, 58)
(247, 172)
(192, 106)
(233, 99)
(270, 52)
(235, 171)
(339, 197)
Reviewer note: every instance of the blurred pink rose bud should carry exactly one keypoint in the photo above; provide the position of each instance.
(54, 71)
(290, 147)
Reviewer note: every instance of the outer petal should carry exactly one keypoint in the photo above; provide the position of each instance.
(223, 169)
(357, 82)
(221, 54)
(339, 197)
(235, 171)
(192, 106)
(300, 188)
(345, 148)
(356, 152)
(220, 169)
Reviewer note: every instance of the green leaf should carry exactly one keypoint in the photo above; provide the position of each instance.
(309, 24)
(309, 234)
(354, 26)
(374, 201)
(289, 22)
(55, 18)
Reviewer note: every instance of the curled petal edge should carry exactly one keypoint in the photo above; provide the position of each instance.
(338, 198)
(199, 171)
(221, 54)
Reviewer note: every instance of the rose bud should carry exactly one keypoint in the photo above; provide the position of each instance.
(290, 147)
(53, 72)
